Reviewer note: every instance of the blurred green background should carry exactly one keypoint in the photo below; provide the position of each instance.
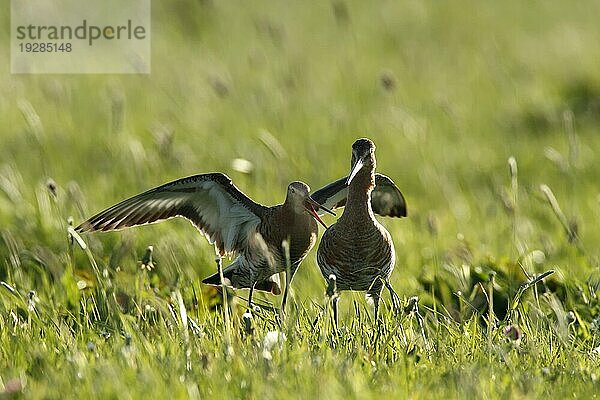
(448, 91)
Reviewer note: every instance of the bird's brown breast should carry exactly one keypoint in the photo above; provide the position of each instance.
(356, 251)
(300, 229)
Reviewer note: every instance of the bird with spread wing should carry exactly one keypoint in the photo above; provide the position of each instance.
(237, 225)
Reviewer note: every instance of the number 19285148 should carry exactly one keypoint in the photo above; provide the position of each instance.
(45, 47)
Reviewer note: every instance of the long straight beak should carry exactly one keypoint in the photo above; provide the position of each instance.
(319, 206)
(355, 169)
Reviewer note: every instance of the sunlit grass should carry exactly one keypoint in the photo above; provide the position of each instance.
(485, 115)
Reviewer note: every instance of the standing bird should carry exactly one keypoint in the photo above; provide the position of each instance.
(357, 250)
(232, 221)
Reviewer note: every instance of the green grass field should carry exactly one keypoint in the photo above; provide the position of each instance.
(448, 91)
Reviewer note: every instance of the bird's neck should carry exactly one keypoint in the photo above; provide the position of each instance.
(293, 216)
(358, 203)
(290, 208)
(296, 225)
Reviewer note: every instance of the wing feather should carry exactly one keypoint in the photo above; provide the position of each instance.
(386, 199)
(332, 195)
(211, 202)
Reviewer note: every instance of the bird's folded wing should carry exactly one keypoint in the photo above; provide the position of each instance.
(386, 198)
(224, 214)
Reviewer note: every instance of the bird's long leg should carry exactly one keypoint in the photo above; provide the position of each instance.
(377, 324)
(289, 273)
(250, 297)
(285, 293)
(394, 296)
(333, 295)
(334, 305)
(374, 292)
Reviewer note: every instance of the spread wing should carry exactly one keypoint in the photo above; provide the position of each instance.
(211, 202)
(386, 198)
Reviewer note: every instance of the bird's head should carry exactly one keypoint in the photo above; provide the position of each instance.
(298, 196)
(363, 157)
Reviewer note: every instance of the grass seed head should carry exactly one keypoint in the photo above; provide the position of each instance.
(146, 262)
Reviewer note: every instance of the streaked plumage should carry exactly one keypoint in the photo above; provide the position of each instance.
(357, 249)
(236, 224)
(386, 198)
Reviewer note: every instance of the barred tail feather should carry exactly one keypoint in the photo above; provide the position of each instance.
(271, 284)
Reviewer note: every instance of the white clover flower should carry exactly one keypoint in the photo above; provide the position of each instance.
(272, 338)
